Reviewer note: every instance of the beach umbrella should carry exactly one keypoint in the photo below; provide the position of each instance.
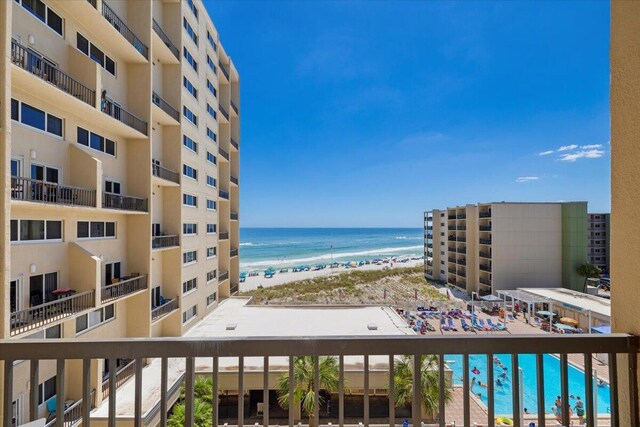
(569, 321)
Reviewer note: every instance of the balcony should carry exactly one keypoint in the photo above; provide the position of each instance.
(164, 309)
(223, 235)
(461, 239)
(166, 40)
(223, 276)
(223, 153)
(224, 112)
(451, 259)
(73, 413)
(485, 281)
(485, 214)
(234, 143)
(234, 107)
(125, 287)
(451, 228)
(461, 216)
(223, 194)
(429, 227)
(234, 180)
(461, 261)
(35, 65)
(122, 375)
(451, 248)
(461, 250)
(113, 109)
(461, 227)
(234, 216)
(514, 347)
(461, 273)
(164, 173)
(451, 238)
(33, 190)
(485, 241)
(166, 107)
(224, 71)
(164, 242)
(123, 29)
(233, 253)
(451, 270)
(484, 254)
(234, 288)
(485, 267)
(50, 312)
(485, 228)
(120, 202)
(451, 217)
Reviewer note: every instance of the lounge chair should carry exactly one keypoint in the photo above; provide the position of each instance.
(510, 317)
(496, 326)
(465, 325)
(443, 325)
(484, 326)
(452, 327)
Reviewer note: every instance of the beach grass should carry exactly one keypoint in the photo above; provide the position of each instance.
(352, 287)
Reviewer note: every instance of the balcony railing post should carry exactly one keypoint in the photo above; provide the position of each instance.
(60, 393)
(241, 391)
(8, 393)
(416, 406)
(215, 403)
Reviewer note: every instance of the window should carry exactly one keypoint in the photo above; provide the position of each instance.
(211, 299)
(193, 8)
(43, 13)
(189, 143)
(95, 318)
(189, 314)
(210, 63)
(96, 229)
(211, 158)
(190, 115)
(189, 228)
(211, 228)
(190, 87)
(192, 34)
(189, 172)
(30, 230)
(47, 334)
(211, 88)
(93, 52)
(190, 59)
(211, 41)
(190, 200)
(112, 187)
(97, 142)
(212, 112)
(211, 252)
(212, 135)
(46, 390)
(189, 285)
(189, 257)
(211, 205)
(211, 181)
(35, 118)
(211, 276)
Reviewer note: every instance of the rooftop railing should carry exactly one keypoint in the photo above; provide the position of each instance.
(164, 173)
(161, 242)
(37, 316)
(34, 190)
(37, 66)
(111, 108)
(123, 29)
(127, 203)
(166, 308)
(165, 106)
(165, 39)
(123, 288)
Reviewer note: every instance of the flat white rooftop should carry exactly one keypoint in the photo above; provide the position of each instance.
(574, 299)
(234, 318)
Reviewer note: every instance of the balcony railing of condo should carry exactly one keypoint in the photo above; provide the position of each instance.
(461, 239)
(485, 214)
(165, 39)
(430, 245)
(451, 217)
(485, 241)
(128, 203)
(223, 276)
(224, 112)
(164, 173)
(234, 107)
(40, 315)
(162, 310)
(429, 272)
(234, 143)
(451, 248)
(461, 250)
(223, 194)
(165, 106)
(38, 66)
(461, 227)
(233, 288)
(234, 180)
(223, 153)
(484, 254)
(113, 109)
(224, 235)
(429, 227)
(485, 267)
(233, 252)
(451, 228)
(461, 216)
(430, 263)
(161, 242)
(122, 375)
(485, 281)
(461, 273)
(123, 29)
(124, 287)
(73, 413)
(451, 238)
(223, 69)
(485, 228)
(461, 261)
(451, 270)
(33, 190)
(234, 216)
(451, 259)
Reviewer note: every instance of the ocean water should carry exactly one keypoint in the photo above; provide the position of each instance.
(261, 248)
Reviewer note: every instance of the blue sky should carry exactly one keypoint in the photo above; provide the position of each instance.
(360, 113)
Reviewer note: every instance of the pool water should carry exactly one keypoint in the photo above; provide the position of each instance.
(502, 394)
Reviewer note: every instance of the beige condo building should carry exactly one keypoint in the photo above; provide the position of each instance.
(120, 133)
(492, 246)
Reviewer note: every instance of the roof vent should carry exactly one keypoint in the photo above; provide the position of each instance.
(372, 327)
(231, 326)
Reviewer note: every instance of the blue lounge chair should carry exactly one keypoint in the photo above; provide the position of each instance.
(496, 326)
(443, 325)
(452, 327)
(510, 317)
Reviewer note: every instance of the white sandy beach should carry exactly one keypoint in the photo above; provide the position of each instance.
(252, 283)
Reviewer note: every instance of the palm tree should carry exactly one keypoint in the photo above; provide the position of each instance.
(303, 375)
(430, 392)
(588, 271)
(201, 414)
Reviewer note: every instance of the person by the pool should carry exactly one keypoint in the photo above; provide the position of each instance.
(579, 407)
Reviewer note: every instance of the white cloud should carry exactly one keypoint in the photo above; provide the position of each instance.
(582, 154)
(590, 147)
(567, 147)
(545, 153)
(527, 178)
